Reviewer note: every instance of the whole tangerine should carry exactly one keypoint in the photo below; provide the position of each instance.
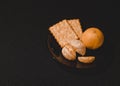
(93, 38)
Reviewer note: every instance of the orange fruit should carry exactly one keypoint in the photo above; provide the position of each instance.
(92, 38)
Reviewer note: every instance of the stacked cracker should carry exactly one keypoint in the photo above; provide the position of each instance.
(66, 30)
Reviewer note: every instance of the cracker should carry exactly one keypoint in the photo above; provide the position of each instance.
(63, 33)
(76, 26)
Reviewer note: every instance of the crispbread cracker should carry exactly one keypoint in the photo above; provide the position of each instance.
(63, 33)
(76, 26)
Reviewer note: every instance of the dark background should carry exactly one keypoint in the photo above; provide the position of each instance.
(24, 56)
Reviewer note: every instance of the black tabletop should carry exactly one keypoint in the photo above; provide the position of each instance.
(25, 59)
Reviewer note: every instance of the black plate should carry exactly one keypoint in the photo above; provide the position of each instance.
(101, 63)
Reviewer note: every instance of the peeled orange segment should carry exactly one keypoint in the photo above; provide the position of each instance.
(68, 52)
(86, 59)
(79, 46)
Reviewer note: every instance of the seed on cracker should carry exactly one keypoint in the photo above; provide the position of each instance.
(76, 26)
(63, 33)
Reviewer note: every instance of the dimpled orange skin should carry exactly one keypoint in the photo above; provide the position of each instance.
(93, 38)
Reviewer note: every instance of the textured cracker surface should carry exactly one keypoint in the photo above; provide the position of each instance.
(76, 26)
(63, 33)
